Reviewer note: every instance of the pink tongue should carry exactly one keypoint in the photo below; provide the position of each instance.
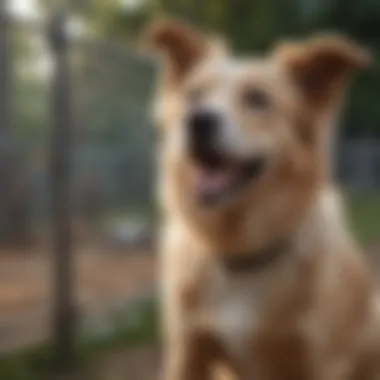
(211, 181)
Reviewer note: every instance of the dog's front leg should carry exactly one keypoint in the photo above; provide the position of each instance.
(187, 358)
(187, 351)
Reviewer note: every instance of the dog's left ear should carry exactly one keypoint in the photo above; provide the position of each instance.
(182, 46)
(321, 66)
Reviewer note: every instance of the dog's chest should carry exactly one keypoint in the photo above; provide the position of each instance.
(231, 307)
(237, 314)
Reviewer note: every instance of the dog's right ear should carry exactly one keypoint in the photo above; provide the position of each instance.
(181, 46)
(322, 65)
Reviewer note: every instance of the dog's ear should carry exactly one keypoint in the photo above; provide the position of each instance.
(321, 66)
(181, 46)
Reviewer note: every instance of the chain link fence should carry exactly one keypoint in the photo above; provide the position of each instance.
(76, 163)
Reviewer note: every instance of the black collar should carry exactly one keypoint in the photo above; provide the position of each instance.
(255, 261)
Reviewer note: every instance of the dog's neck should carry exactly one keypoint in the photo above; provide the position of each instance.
(321, 228)
(251, 262)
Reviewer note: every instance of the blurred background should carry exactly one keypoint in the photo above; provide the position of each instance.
(77, 216)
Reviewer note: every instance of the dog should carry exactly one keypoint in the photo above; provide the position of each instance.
(260, 274)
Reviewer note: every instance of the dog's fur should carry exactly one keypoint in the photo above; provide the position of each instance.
(311, 314)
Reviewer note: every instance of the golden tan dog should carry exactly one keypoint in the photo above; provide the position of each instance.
(259, 271)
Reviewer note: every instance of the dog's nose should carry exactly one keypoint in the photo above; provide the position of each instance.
(202, 126)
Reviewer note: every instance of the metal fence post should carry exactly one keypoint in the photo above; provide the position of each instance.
(64, 309)
(5, 121)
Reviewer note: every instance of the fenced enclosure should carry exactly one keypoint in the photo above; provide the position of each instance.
(76, 211)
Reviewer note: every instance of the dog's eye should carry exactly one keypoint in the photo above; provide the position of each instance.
(256, 99)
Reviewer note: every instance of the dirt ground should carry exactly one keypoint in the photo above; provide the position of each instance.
(101, 279)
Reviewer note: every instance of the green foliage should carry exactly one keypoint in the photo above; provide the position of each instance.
(364, 211)
(37, 363)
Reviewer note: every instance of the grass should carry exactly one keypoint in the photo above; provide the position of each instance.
(37, 363)
(364, 212)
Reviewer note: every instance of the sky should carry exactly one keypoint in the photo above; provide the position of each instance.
(27, 7)
(22, 7)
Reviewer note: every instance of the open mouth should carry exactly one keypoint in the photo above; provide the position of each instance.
(218, 179)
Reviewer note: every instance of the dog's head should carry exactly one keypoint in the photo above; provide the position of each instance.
(239, 131)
